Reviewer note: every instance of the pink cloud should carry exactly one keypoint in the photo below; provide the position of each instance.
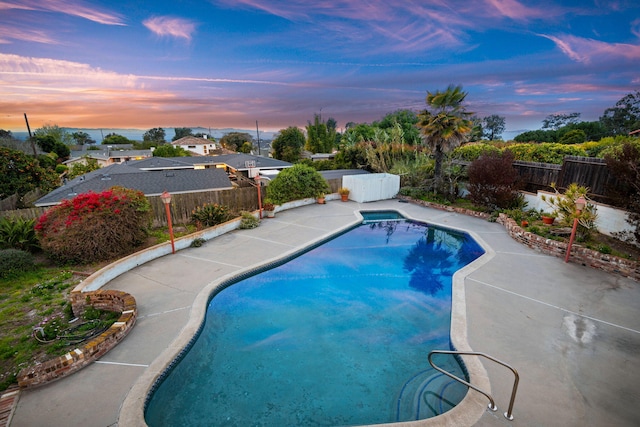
(68, 7)
(168, 26)
(584, 50)
(517, 11)
(8, 33)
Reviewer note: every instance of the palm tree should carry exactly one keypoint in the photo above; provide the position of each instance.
(444, 124)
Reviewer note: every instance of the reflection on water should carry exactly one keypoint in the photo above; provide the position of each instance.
(336, 336)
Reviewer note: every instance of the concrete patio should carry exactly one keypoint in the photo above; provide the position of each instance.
(572, 332)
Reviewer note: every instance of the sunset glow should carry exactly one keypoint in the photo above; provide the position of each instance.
(230, 63)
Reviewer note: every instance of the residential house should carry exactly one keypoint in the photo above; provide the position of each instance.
(176, 175)
(196, 145)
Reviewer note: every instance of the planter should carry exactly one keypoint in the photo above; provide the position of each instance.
(270, 214)
(322, 200)
(524, 224)
(548, 220)
(344, 197)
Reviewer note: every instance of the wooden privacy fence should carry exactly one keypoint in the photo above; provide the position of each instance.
(590, 172)
(237, 199)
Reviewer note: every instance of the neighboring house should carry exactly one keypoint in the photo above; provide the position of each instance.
(176, 175)
(235, 164)
(107, 157)
(195, 145)
(151, 183)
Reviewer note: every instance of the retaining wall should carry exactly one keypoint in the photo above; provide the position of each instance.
(74, 360)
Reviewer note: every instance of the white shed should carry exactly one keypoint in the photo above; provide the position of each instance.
(371, 187)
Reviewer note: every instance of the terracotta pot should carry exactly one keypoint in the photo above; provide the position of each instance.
(321, 200)
(548, 220)
(344, 197)
(524, 223)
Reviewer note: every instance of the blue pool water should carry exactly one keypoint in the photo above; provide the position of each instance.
(336, 336)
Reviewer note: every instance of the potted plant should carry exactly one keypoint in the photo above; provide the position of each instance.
(548, 219)
(321, 199)
(344, 193)
(269, 209)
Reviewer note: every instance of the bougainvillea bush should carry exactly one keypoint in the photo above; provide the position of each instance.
(95, 226)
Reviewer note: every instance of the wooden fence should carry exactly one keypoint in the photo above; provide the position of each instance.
(237, 199)
(590, 172)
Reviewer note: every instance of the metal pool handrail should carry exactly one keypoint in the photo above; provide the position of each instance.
(492, 405)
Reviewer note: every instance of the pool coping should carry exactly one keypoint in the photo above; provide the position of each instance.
(467, 412)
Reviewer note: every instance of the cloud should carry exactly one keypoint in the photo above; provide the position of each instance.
(9, 32)
(584, 50)
(67, 7)
(168, 26)
(515, 10)
(16, 68)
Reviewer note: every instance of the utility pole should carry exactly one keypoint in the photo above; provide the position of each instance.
(33, 145)
(258, 133)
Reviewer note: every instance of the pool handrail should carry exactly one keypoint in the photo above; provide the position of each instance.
(492, 405)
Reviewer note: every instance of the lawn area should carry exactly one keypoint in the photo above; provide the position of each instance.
(25, 303)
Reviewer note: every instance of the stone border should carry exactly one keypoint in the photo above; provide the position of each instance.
(77, 359)
(579, 254)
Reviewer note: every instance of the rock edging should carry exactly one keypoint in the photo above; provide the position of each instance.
(77, 359)
(579, 254)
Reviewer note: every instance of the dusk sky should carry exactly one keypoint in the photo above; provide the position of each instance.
(228, 63)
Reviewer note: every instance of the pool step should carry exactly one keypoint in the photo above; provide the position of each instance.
(427, 394)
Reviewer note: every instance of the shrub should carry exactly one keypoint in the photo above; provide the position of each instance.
(248, 221)
(13, 262)
(295, 183)
(18, 233)
(197, 242)
(472, 151)
(95, 226)
(209, 215)
(492, 180)
(564, 207)
(576, 136)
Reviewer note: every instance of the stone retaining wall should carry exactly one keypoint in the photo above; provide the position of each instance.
(579, 254)
(80, 357)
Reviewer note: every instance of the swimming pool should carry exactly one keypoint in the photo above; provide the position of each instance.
(336, 336)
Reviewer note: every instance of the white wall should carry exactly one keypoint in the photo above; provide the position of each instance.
(371, 187)
(610, 220)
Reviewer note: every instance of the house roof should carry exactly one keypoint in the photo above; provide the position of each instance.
(237, 161)
(151, 183)
(107, 154)
(193, 140)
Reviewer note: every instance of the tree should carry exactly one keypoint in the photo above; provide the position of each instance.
(168, 150)
(624, 117)
(537, 136)
(556, 121)
(246, 147)
(234, 140)
(493, 126)
(288, 144)
(407, 119)
(624, 163)
(82, 138)
(81, 168)
(58, 134)
(115, 139)
(575, 136)
(320, 138)
(356, 133)
(445, 124)
(20, 173)
(181, 133)
(154, 135)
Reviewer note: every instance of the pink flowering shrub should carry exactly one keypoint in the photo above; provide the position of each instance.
(95, 226)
